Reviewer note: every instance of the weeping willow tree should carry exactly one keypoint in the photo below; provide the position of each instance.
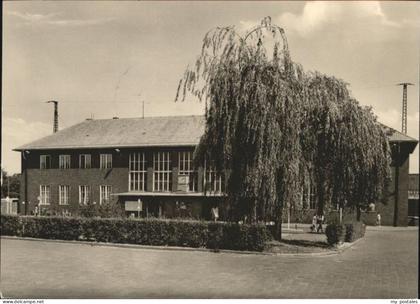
(269, 124)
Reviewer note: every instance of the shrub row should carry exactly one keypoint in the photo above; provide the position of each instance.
(156, 232)
(349, 232)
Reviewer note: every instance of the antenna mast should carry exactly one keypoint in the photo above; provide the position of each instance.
(404, 106)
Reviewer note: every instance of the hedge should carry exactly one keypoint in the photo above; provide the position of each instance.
(348, 232)
(158, 232)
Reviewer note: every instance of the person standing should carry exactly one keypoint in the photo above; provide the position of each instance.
(215, 213)
(378, 219)
(313, 227)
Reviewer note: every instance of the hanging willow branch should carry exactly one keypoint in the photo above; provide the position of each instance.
(269, 124)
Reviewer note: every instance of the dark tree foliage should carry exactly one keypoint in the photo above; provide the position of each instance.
(11, 184)
(272, 127)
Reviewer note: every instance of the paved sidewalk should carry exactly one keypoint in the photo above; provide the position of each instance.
(382, 265)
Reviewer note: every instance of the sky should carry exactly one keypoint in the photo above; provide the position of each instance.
(104, 59)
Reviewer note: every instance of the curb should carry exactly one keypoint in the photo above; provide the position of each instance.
(135, 246)
(175, 248)
(348, 245)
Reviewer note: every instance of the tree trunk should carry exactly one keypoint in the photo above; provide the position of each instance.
(358, 214)
(321, 196)
(277, 231)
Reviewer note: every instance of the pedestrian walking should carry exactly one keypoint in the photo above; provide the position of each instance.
(313, 227)
(319, 223)
(378, 219)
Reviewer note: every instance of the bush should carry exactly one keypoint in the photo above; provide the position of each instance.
(10, 225)
(349, 232)
(145, 232)
(354, 231)
(106, 210)
(335, 233)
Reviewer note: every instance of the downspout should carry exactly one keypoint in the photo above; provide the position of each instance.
(25, 168)
(396, 186)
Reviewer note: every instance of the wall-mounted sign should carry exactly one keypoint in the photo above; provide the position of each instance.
(134, 205)
(183, 183)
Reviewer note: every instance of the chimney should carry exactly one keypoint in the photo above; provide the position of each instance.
(55, 125)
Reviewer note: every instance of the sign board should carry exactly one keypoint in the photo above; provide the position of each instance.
(134, 205)
(183, 183)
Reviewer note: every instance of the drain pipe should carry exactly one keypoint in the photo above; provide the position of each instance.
(396, 186)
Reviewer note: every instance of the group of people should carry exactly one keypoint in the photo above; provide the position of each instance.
(317, 222)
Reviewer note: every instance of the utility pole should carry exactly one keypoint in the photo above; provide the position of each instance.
(404, 106)
(55, 126)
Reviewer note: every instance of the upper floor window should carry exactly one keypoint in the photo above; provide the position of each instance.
(64, 162)
(104, 194)
(45, 161)
(162, 171)
(186, 167)
(106, 161)
(137, 172)
(84, 194)
(85, 161)
(44, 194)
(63, 194)
(214, 182)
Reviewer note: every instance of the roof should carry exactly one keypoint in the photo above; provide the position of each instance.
(142, 132)
(397, 136)
(124, 132)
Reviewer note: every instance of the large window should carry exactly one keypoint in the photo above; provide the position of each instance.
(63, 194)
(162, 175)
(309, 197)
(64, 162)
(106, 161)
(45, 161)
(104, 194)
(84, 194)
(137, 172)
(186, 167)
(214, 182)
(85, 161)
(44, 194)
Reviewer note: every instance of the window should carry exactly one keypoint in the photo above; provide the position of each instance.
(162, 175)
(186, 167)
(45, 162)
(63, 194)
(84, 161)
(137, 172)
(104, 194)
(64, 162)
(309, 197)
(44, 194)
(106, 161)
(214, 181)
(84, 195)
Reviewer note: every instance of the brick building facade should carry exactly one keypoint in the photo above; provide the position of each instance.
(145, 164)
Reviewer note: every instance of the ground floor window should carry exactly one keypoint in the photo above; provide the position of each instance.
(162, 175)
(104, 194)
(137, 172)
(63, 194)
(44, 194)
(84, 194)
(214, 182)
(186, 168)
